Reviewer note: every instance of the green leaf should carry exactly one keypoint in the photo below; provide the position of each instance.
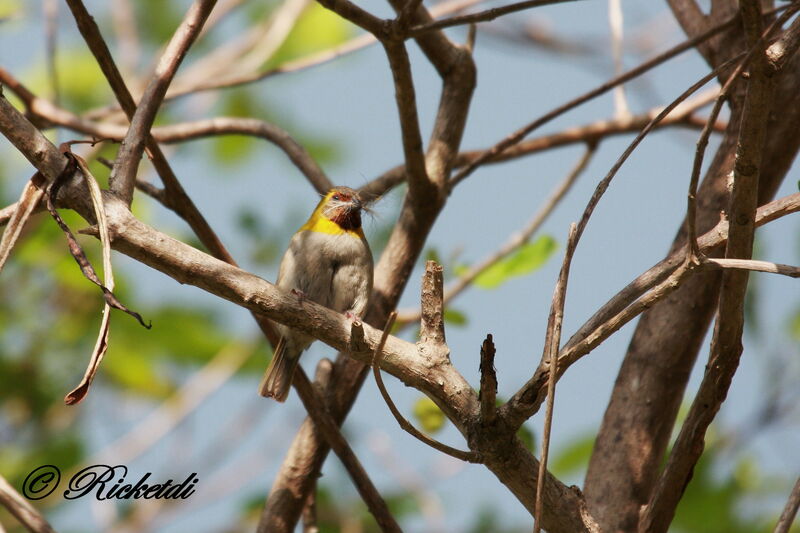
(574, 457)
(432, 254)
(318, 29)
(9, 8)
(455, 317)
(428, 414)
(81, 82)
(794, 325)
(528, 258)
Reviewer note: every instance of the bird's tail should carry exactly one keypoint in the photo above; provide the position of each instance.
(277, 379)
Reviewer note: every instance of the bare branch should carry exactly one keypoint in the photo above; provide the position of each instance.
(123, 176)
(726, 344)
(752, 265)
(483, 16)
(790, 510)
(518, 135)
(432, 324)
(527, 400)
(177, 199)
(683, 115)
(782, 50)
(252, 127)
(694, 22)
(174, 133)
(418, 180)
(470, 457)
(517, 240)
(358, 16)
(29, 200)
(7, 212)
(22, 510)
(312, 60)
(326, 425)
(550, 357)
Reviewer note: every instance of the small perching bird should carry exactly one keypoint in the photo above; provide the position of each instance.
(328, 262)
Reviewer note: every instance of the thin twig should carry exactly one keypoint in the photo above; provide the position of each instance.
(123, 176)
(22, 510)
(483, 16)
(303, 63)
(176, 196)
(593, 132)
(702, 142)
(726, 347)
(324, 422)
(602, 186)
(790, 510)
(752, 265)
(18, 218)
(518, 135)
(174, 133)
(377, 355)
(517, 240)
(550, 357)
(616, 25)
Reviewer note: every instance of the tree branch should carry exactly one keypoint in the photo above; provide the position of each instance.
(726, 347)
(550, 357)
(174, 133)
(593, 132)
(488, 390)
(175, 195)
(123, 176)
(525, 402)
(483, 16)
(330, 430)
(22, 510)
(392, 271)
(521, 133)
(790, 510)
(407, 426)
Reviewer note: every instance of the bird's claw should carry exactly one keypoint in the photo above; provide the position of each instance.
(352, 316)
(301, 296)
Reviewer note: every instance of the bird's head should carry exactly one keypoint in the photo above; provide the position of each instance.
(343, 206)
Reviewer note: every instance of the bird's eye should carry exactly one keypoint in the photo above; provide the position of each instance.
(336, 197)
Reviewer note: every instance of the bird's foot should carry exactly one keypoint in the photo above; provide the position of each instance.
(352, 316)
(301, 296)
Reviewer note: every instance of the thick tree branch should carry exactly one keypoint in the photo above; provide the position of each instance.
(726, 345)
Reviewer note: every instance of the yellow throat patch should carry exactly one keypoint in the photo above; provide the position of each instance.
(322, 224)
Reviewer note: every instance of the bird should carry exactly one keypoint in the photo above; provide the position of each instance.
(329, 262)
